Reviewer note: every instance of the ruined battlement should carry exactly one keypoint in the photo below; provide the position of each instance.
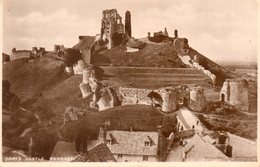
(168, 97)
(235, 92)
(159, 36)
(135, 95)
(59, 48)
(197, 99)
(112, 28)
(30, 54)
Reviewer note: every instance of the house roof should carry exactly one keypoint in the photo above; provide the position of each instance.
(85, 43)
(133, 142)
(196, 149)
(199, 150)
(100, 153)
(10, 152)
(242, 147)
(64, 149)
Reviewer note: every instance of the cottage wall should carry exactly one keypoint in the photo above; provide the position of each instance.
(134, 158)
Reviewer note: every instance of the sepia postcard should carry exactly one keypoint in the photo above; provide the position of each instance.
(129, 83)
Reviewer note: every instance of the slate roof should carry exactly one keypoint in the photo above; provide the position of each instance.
(100, 153)
(199, 150)
(132, 143)
(242, 147)
(85, 43)
(10, 152)
(64, 149)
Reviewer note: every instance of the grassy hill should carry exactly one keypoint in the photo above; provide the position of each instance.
(31, 79)
(152, 55)
(44, 88)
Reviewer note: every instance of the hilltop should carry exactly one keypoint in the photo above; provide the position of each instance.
(163, 55)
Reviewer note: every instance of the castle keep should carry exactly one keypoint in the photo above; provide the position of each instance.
(113, 31)
(111, 27)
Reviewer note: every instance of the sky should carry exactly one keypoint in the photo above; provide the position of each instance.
(222, 30)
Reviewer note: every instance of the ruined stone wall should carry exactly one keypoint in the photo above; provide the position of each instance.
(98, 95)
(87, 72)
(105, 101)
(135, 96)
(111, 24)
(59, 48)
(235, 93)
(206, 72)
(85, 90)
(20, 54)
(140, 96)
(181, 43)
(108, 98)
(225, 92)
(197, 101)
(186, 59)
(172, 97)
(79, 67)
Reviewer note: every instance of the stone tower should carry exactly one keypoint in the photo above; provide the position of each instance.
(111, 26)
(197, 100)
(235, 93)
(128, 29)
(169, 99)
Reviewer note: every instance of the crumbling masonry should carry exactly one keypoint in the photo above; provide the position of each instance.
(171, 97)
(99, 96)
(235, 92)
(111, 26)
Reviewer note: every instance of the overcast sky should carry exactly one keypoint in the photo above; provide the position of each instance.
(219, 29)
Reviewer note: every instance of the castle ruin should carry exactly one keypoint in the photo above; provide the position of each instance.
(128, 29)
(197, 100)
(235, 92)
(112, 27)
(169, 98)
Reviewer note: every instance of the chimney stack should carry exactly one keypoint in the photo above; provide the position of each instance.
(229, 150)
(106, 124)
(160, 144)
(149, 34)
